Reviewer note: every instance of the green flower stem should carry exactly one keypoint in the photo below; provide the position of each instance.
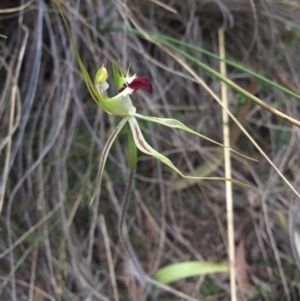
(132, 161)
(132, 150)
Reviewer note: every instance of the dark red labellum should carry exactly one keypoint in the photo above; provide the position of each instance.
(141, 83)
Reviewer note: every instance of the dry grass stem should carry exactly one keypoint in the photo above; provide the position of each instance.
(109, 257)
(227, 166)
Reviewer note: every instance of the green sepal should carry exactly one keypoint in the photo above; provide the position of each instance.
(144, 147)
(104, 155)
(119, 77)
(176, 124)
(118, 105)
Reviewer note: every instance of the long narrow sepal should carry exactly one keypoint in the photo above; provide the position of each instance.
(86, 77)
(175, 124)
(118, 105)
(144, 147)
(104, 155)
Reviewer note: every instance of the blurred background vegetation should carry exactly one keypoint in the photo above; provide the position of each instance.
(53, 246)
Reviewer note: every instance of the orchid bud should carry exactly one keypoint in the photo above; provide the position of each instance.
(100, 79)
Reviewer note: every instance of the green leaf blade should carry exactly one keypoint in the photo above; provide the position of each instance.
(183, 270)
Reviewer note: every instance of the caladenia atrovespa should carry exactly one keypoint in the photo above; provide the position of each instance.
(121, 106)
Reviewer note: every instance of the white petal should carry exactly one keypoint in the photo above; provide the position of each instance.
(130, 79)
(104, 86)
(127, 91)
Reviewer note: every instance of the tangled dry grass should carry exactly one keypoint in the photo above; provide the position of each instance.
(52, 245)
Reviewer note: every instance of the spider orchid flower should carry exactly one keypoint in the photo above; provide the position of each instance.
(121, 105)
(126, 85)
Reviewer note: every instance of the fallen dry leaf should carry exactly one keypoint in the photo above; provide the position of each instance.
(241, 265)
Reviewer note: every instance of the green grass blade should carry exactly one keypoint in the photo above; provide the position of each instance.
(183, 270)
(230, 83)
(163, 38)
(234, 86)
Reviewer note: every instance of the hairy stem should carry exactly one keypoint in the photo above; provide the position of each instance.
(123, 235)
(125, 204)
(132, 156)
